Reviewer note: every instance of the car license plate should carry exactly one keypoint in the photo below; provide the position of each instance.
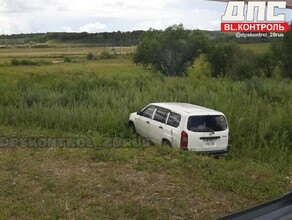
(209, 143)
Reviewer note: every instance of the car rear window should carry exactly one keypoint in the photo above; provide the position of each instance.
(207, 123)
(173, 119)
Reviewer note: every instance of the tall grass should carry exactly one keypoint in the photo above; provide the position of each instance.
(100, 99)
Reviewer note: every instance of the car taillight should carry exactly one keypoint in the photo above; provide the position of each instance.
(184, 140)
(229, 140)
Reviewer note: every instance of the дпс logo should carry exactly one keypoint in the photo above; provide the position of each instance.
(255, 16)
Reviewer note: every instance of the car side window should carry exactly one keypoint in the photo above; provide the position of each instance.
(173, 119)
(148, 112)
(161, 114)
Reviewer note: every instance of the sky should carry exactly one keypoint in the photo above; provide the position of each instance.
(40, 16)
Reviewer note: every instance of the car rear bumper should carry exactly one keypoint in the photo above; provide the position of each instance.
(223, 152)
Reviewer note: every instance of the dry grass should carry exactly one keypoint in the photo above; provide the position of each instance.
(60, 51)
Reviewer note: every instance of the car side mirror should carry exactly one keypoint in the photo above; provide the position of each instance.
(139, 113)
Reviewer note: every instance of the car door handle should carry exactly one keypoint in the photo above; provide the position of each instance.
(147, 122)
(160, 127)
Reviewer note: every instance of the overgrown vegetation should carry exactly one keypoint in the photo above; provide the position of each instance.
(27, 62)
(99, 100)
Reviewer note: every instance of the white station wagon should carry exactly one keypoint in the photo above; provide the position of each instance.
(182, 125)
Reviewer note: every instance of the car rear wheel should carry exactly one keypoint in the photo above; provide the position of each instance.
(166, 143)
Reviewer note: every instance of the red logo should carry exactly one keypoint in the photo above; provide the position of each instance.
(255, 16)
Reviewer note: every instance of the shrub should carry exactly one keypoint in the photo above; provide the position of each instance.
(90, 56)
(106, 55)
(15, 62)
(67, 59)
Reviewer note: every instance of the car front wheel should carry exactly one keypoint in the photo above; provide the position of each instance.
(132, 127)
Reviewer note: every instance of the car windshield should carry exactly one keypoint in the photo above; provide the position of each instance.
(207, 123)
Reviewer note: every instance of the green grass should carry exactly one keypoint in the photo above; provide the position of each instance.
(94, 98)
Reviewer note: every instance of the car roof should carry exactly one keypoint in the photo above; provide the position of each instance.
(186, 108)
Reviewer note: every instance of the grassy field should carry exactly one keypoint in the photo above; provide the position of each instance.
(60, 51)
(93, 99)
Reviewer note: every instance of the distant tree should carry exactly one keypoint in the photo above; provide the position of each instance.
(246, 65)
(287, 53)
(222, 57)
(171, 51)
(228, 59)
(267, 63)
(282, 52)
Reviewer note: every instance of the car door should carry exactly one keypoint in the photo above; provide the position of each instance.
(157, 125)
(171, 132)
(143, 121)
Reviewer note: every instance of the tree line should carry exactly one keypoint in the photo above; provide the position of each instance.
(172, 51)
(111, 38)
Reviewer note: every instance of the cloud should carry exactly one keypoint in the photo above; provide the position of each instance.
(67, 29)
(104, 15)
(14, 6)
(90, 28)
(93, 27)
(18, 16)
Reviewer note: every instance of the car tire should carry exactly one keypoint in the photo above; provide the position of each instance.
(132, 128)
(166, 143)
